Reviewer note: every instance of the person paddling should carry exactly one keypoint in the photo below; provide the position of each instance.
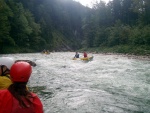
(17, 99)
(76, 55)
(85, 54)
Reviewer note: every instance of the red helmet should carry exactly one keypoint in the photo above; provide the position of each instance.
(20, 72)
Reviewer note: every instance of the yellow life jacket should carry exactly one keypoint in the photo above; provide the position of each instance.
(5, 82)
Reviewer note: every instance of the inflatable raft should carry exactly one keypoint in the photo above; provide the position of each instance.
(76, 59)
(84, 59)
(87, 58)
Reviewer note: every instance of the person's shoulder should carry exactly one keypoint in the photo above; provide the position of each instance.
(4, 92)
(33, 94)
(5, 78)
(36, 99)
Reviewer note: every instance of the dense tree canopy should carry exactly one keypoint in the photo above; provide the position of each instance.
(62, 25)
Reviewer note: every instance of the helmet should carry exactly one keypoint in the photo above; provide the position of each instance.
(20, 72)
(7, 61)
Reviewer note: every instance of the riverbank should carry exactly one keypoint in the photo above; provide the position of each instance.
(138, 52)
(123, 49)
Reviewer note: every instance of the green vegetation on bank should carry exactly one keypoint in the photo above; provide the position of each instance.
(123, 49)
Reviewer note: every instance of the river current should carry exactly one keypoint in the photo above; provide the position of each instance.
(107, 84)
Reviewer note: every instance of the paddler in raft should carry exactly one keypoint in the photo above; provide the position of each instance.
(76, 55)
(85, 54)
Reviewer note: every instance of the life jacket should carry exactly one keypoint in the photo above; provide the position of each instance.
(77, 56)
(18, 109)
(9, 104)
(5, 82)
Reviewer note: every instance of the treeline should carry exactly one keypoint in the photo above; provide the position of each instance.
(120, 23)
(34, 25)
(62, 25)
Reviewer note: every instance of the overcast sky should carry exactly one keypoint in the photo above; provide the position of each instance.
(89, 2)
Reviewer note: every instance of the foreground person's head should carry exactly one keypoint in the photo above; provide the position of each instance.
(20, 72)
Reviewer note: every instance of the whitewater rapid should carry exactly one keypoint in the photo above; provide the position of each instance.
(107, 84)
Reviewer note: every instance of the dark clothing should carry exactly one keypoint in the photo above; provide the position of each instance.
(76, 56)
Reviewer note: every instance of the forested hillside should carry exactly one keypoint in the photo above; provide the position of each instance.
(65, 25)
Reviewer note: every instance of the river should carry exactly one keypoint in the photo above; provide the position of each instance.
(107, 84)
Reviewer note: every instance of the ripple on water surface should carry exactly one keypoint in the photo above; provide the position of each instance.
(108, 84)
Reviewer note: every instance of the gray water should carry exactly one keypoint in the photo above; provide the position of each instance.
(108, 84)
